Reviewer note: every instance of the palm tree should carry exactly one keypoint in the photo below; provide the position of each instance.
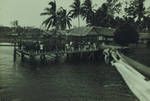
(59, 19)
(88, 12)
(76, 10)
(136, 9)
(114, 7)
(51, 21)
(104, 15)
(101, 15)
(64, 19)
(148, 11)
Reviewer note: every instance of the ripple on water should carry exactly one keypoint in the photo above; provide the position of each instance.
(60, 82)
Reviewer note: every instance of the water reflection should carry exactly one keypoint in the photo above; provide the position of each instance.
(59, 82)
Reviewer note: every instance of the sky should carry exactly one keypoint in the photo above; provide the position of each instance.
(27, 12)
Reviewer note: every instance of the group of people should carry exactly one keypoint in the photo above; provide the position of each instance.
(78, 46)
(36, 46)
(111, 55)
(43, 46)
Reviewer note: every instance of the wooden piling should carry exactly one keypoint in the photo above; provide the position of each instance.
(22, 56)
(81, 55)
(43, 59)
(15, 54)
(32, 58)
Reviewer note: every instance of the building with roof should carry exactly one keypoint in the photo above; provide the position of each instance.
(90, 34)
(144, 38)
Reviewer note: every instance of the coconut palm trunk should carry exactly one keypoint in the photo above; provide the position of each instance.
(79, 21)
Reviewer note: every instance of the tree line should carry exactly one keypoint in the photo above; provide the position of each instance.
(109, 14)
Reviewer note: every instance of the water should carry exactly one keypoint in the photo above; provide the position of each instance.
(59, 82)
(6, 44)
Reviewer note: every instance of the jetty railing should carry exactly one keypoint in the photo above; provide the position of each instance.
(42, 52)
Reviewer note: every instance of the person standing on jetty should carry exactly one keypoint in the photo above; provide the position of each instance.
(111, 55)
(37, 45)
(106, 53)
(41, 47)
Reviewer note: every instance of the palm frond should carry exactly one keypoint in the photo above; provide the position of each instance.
(45, 13)
(45, 22)
(47, 9)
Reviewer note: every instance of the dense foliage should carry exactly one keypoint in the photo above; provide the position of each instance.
(58, 18)
(107, 14)
(126, 34)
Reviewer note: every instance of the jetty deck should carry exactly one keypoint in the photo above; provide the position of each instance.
(69, 51)
(56, 53)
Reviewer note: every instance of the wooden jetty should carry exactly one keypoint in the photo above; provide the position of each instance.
(52, 54)
(68, 52)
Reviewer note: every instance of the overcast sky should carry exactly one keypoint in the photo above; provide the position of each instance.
(27, 12)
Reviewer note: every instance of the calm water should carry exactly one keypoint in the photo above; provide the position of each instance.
(59, 82)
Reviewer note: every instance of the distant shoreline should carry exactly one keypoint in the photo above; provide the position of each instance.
(6, 40)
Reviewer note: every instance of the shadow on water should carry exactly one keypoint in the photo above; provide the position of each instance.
(74, 59)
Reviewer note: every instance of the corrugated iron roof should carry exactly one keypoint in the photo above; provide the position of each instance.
(80, 31)
(105, 31)
(90, 31)
(86, 31)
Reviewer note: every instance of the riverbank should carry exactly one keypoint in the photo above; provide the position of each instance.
(6, 40)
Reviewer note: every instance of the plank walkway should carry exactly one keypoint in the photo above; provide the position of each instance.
(58, 52)
(72, 51)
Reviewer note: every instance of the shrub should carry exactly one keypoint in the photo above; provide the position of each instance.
(125, 35)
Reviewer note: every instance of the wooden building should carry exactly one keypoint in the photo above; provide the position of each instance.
(90, 34)
(144, 38)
